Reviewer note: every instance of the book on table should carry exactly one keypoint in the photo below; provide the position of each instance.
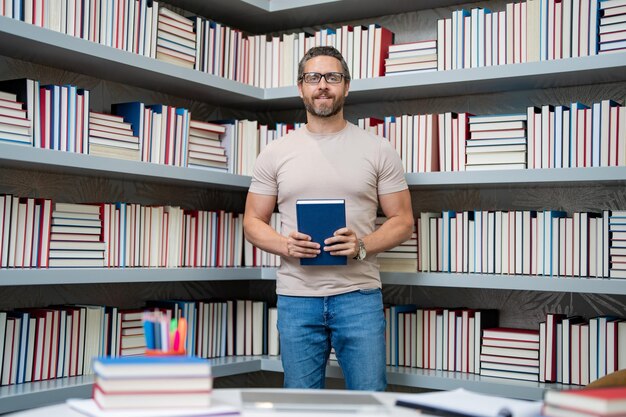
(320, 218)
(610, 401)
(151, 366)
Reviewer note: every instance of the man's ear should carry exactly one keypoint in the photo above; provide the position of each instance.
(347, 89)
(300, 90)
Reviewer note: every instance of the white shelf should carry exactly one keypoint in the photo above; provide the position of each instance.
(20, 157)
(54, 276)
(36, 394)
(264, 16)
(47, 47)
(27, 157)
(32, 43)
(508, 282)
(519, 177)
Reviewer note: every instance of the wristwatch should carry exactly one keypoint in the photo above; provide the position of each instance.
(361, 253)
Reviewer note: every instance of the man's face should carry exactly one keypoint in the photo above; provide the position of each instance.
(323, 99)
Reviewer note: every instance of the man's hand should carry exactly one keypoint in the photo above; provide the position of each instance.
(343, 243)
(299, 245)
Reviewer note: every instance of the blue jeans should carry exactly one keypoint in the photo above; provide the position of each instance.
(353, 323)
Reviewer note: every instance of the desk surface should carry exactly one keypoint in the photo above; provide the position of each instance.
(229, 397)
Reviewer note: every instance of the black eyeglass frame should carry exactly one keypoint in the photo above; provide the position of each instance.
(341, 75)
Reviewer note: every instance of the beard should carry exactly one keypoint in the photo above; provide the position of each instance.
(324, 110)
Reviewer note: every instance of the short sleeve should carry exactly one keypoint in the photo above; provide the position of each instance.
(390, 170)
(264, 174)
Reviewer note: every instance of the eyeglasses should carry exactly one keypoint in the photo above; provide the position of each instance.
(316, 77)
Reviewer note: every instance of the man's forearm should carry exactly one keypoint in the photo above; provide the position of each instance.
(390, 234)
(264, 237)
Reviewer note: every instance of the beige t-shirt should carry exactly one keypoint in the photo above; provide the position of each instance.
(351, 164)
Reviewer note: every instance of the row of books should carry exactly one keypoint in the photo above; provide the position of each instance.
(58, 117)
(546, 137)
(61, 341)
(535, 30)
(568, 350)
(575, 350)
(37, 233)
(523, 242)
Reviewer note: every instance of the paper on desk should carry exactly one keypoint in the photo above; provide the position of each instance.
(474, 404)
(90, 408)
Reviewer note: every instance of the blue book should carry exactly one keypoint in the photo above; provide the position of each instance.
(133, 114)
(394, 330)
(320, 219)
(148, 366)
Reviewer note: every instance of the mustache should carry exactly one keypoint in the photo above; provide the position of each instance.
(324, 94)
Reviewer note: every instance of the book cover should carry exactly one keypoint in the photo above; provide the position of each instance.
(319, 219)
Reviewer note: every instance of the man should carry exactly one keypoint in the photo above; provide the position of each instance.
(324, 306)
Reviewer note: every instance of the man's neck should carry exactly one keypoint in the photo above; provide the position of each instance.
(331, 124)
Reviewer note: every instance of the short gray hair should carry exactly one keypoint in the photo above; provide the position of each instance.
(323, 51)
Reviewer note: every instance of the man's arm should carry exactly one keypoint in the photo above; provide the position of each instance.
(259, 209)
(398, 227)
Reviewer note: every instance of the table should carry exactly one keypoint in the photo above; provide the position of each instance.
(232, 397)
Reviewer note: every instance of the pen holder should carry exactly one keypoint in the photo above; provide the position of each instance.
(156, 352)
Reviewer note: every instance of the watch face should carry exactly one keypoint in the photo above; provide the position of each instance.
(362, 252)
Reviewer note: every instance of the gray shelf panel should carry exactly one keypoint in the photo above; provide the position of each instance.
(264, 16)
(54, 276)
(37, 394)
(508, 282)
(499, 282)
(444, 380)
(441, 380)
(234, 365)
(532, 75)
(519, 178)
(19, 156)
(47, 47)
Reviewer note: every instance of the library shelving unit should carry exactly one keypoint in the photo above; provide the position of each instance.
(30, 43)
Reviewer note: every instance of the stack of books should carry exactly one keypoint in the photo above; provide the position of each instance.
(612, 28)
(510, 353)
(598, 402)
(75, 236)
(152, 382)
(132, 340)
(402, 258)
(176, 39)
(496, 142)
(111, 136)
(617, 244)
(205, 145)
(412, 57)
(15, 127)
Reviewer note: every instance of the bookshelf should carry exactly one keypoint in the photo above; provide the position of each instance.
(30, 43)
